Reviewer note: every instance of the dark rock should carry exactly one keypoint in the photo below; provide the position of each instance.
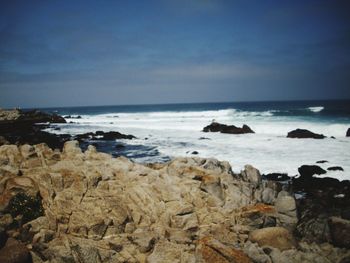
(21, 127)
(348, 133)
(310, 170)
(119, 146)
(194, 152)
(15, 252)
(322, 161)
(203, 138)
(112, 135)
(28, 207)
(103, 136)
(335, 168)
(332, 137)
(3, 141)
(276, 177)
(301, 133)
(3, 237)
(340, 231)
(231, 129)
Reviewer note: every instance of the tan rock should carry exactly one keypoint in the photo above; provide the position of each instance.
(277, 237)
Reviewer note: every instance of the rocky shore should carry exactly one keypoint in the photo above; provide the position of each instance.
(75, 206)
(59, 203)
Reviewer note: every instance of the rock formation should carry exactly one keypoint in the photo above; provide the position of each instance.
(96, 208)
(223, 128)
(301, 133)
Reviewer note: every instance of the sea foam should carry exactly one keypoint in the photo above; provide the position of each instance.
(178, 133)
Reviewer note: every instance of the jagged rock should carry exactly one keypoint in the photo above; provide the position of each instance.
(223, 128)
(257, 216)
(252, 175)
(256, 253)
(277, 237)
(301, 133)
(14, 252)
(103, 209)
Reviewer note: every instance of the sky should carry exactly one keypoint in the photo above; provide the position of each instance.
(84, 52)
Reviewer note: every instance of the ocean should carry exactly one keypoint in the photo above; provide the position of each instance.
(171, 130)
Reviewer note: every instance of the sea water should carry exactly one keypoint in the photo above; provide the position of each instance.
(167, 131)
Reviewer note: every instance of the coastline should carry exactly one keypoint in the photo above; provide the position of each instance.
(90, 207)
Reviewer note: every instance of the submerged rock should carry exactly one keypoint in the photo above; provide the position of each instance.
(302, 133)
(335, 168)
(231, 129)
(348, 133)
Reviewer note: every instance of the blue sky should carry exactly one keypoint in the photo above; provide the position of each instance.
(72, 53)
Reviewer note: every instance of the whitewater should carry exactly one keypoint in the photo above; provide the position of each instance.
(162, 135)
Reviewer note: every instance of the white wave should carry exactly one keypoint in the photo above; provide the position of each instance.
(176, 133)
(316, 109)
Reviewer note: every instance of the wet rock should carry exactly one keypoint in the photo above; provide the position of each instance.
(231, 129)
(194, 152)
(322, 161)
(301, 133)
(277, 237)
(335, 168)
(310, 170)
(348, 133)
(14, 252)
(100, 135)
(276, 177)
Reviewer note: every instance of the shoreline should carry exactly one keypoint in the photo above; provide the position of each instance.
(66, 204)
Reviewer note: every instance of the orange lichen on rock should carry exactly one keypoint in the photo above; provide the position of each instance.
(258, 208)
(211, 250)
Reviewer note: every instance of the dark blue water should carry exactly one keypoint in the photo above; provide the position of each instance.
(333, 110)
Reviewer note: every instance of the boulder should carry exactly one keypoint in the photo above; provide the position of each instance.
(287, 211)
(301, 133)
(277, 237)
(348, 133)
(231, 129)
